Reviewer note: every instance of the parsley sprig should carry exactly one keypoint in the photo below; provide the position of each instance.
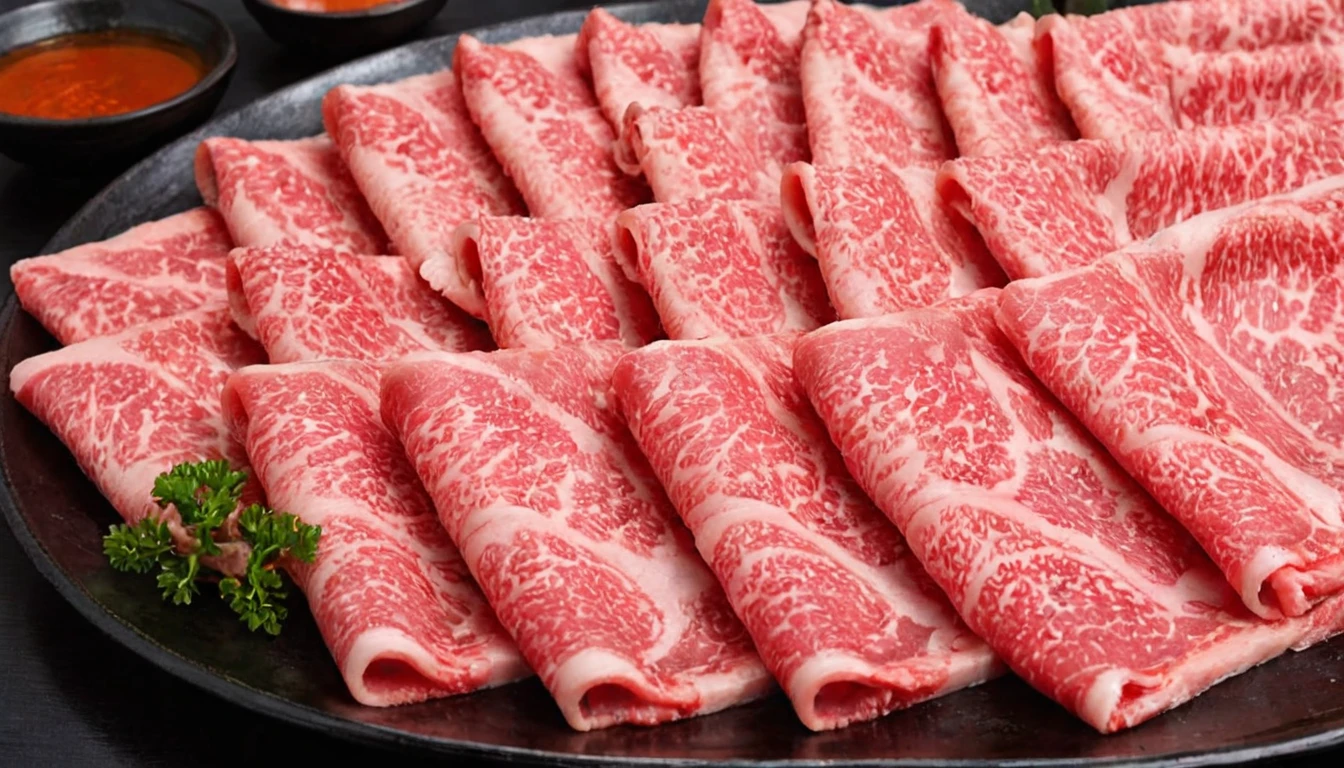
(203, 533)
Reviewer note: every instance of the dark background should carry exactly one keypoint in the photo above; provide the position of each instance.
(69, 696)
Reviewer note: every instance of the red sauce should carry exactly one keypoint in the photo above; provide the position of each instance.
(330, 6)
(95, 74)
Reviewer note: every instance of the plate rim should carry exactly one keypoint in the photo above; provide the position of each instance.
(240, 694)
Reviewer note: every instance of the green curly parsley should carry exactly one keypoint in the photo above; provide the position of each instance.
(205, 495)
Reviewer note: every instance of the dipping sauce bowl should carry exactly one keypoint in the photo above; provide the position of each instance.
(87, 84)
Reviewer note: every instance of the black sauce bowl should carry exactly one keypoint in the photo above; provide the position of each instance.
(96, 144)
(341, 35)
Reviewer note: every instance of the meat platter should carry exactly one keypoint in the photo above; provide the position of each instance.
(1287, 705)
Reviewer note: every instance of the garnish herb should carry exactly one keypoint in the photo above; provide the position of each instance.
(202, 532)
(1086, 7)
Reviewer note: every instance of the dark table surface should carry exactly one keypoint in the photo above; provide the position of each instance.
(69, 696)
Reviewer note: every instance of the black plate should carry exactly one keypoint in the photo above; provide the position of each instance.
(1289, 705)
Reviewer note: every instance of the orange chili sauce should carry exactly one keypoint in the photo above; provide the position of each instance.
(95, 74)
(330, 6)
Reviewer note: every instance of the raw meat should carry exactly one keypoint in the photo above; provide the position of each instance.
(868, 88)
(721, 268)
(131, 405)
(545, 127)
(1208, 362)
(389, 591)
(308, 304)
(153, 270)
(1049, 551)
(749, 77)
(839, 609)
(1111, 71)
(882, 241)
(653, 65)
(1252, 86)
(550, 282)
(997, 89)
(691, 154)
(569, 535)
(715, 254)
(751, 126)
(866, 206)
(422, 165)
(1067, 205)
(286, 192)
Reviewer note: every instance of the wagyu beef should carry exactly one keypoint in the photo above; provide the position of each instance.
(997, 87)
(839, 609)
(866, 206)
(133, 404)
(569, 535)
(1050, 552)
(1207, 360)
(1068, 204)
(312, 304)
(545, 127)
(390, 594)
(653, 65)
(721, 268)
(157, 269)
(292, 192)
(421, 164)
(1113, 69)
(550, 282)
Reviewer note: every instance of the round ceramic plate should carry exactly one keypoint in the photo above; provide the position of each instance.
(1285, 706)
